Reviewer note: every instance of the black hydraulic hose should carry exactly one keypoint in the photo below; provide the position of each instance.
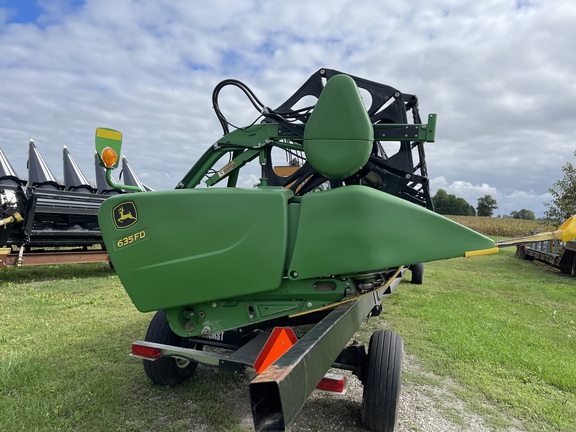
(289, 117)
(249, 94)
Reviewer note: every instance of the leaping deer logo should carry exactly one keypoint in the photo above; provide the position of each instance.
(125, 215)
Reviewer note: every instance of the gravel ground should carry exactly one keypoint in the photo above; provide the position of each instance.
(428, 403)
(423, 407)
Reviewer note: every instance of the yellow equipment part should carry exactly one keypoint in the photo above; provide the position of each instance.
(565, 233)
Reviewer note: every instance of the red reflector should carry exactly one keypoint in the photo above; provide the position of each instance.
(332, 383)
(146, 352)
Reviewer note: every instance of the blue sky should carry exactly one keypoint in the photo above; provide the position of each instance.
(21, 11)
(38, 12)
(499, 74)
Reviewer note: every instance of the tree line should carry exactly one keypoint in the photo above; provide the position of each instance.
(562, 206)
(448, 204)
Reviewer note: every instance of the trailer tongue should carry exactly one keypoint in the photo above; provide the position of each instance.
(320, 242)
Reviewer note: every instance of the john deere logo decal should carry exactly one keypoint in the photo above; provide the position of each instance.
(125, 215)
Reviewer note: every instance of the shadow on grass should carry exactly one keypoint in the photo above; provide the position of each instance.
(87, 381)
(52, 272)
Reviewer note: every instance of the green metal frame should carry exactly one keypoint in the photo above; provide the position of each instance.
(246, 144)
(111, 182)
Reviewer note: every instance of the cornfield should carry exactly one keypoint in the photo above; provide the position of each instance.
(503, 227)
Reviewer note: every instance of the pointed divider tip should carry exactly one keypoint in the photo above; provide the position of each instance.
(8, 176)
(38, 171)
(130, 177)
(74, 179)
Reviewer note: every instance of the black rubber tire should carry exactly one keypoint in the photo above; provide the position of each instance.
(521, 253)
(574, 267)
(417, 273)
(166, 371)
(382, 381)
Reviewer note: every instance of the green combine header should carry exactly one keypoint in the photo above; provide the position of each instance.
(320, 240)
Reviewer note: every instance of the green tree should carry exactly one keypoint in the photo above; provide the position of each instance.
(464, 208)
(523, 214)
(439, 200)
(486, 205)
(563, 193)
(448, 204)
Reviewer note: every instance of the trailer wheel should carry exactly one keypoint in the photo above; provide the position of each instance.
(574, 267)
(417, 273)
(166, 371)
(382, 381)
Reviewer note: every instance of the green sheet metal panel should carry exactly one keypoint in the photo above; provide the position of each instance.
(338, 136)
(357, 229)
(180, 247)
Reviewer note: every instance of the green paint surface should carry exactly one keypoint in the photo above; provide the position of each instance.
(196, 245)
(357, 229)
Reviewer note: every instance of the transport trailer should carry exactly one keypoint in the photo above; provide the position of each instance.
(33, 257)
(555, 253)
(555, 248)
(284, 273)
(286, 369)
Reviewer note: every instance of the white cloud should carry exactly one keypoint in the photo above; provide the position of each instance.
(498, 73)
(507, 201)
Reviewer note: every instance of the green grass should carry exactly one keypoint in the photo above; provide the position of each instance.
(64, 365)
(503, 328)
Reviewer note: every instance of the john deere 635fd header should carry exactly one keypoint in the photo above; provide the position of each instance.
(319, 241)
